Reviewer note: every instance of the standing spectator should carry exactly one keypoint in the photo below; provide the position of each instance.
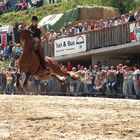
(80, 28)
(10, 49)
(82, 82)
(6, 53)
(69, 67)
(120, 77)
(112, 81)
(104, 65)
(89, 80)
(130, 82)
(52, 37)
(3, 80)
(131, 17)
(63, 32)
(136, 80)
(125, 81)
(9, 81)
(98, 82)
(71, 31)
(73, 83)
(18, 51)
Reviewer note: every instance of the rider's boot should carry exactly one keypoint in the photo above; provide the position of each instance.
(42, 60)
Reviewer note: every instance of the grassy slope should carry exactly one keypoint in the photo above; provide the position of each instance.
(12, 17)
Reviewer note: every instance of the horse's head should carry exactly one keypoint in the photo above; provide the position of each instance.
(25, 33)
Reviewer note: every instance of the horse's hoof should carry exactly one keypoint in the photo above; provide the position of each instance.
(63, 79)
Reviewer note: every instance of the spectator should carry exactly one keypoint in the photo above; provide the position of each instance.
(89, 80)
(38, 3)
(8, 5)
(63, 32)
(112, 81)
(24, 6)
(6, 53)
(130, 83)
(98, 83)
(131, 17)
(136, 80)
(18, 51)
(10, 47)
(2, 8)
(12, 63)
(52, 37)
(9, 80)
(69, 67)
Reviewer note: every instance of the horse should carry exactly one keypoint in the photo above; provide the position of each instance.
(29, 63)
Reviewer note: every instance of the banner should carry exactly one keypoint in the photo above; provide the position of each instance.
(70, 45)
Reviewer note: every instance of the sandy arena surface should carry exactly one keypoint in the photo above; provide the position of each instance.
(68, 118)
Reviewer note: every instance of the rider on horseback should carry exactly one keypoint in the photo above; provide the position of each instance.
(36, 33)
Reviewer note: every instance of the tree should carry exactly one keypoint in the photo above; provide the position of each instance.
(124, 5)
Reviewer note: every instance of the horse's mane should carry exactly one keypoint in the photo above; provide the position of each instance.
(26, 40)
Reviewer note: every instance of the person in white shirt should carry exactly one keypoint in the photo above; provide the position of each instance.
(136, 80)
(52, 37)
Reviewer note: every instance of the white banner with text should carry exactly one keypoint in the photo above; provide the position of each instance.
(70, 45)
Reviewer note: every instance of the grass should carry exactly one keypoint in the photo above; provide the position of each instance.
(4, 64)
(24, 16)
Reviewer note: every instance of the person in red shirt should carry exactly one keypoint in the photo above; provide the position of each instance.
(69, 67)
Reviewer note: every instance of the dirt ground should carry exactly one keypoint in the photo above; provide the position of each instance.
(68, 118)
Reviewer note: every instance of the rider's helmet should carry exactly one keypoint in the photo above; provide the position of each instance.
(34, 18)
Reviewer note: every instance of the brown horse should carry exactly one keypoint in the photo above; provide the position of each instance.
(29, 61)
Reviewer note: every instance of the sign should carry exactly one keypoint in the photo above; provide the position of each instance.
(70, 45)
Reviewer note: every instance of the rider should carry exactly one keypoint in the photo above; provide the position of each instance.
(37, 31)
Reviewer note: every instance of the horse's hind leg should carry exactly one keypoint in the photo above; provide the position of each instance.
(54, 65)
(59, 78)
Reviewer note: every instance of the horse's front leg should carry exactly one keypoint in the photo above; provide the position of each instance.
(22, 79)
(17, 83)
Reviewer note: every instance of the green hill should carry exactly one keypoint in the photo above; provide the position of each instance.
(12, 17)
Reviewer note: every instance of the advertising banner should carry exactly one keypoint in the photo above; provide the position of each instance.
(70, 45)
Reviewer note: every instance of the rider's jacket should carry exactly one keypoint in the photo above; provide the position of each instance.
(36, 32)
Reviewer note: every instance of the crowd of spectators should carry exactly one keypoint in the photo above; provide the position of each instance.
(99, 24)
(99, 79)
(93, 25)
(19, 6)
(10, 50)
